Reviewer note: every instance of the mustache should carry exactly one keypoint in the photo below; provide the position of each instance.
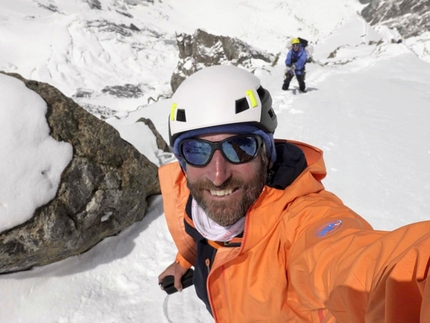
(205, 184)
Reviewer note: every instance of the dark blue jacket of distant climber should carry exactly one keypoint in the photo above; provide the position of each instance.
(298, 58)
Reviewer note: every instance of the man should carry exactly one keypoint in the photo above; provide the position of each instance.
(295, 62)
(267, 242)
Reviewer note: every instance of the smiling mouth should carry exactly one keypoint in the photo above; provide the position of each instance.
(221, 192)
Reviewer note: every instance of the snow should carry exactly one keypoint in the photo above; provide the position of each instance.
(32, 161)
(367, 108)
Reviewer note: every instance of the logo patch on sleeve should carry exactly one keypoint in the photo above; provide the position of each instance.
(328, 228)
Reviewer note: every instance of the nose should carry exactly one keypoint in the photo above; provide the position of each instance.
(219, 169)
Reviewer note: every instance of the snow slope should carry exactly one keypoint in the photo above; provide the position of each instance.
(367, 108)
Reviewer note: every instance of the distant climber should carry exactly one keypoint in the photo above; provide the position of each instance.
(296, 60)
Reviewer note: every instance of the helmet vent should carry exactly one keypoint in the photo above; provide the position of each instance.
(180, 115)
(241, 105)
(271, 113)
(261, 92)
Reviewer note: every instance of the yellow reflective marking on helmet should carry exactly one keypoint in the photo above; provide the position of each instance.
(252, 99)
(173, 112)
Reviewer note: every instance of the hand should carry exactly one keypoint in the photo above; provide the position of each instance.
(175, 270)
(289, 71)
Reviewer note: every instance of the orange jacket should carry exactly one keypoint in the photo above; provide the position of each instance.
(306, 257)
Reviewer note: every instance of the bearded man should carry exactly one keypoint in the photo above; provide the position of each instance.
(267, 242)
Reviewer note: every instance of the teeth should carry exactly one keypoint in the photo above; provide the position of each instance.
(221, 193)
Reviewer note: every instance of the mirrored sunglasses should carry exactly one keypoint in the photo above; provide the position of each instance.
(237, 150)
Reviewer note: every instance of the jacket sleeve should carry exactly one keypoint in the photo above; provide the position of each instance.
(288, 59)
(300, 64)
(348, 271)
(175, 195)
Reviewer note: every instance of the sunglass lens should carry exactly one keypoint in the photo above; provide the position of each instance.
(240, 150)
(196, 152)
(236, 150)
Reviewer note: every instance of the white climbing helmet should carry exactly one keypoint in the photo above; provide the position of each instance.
(220, 95)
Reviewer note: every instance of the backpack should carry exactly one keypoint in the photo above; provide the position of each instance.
(304, 42)
(307, 48)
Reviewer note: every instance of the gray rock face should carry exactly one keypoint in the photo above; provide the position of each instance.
(410, 18)
(204, 49)
(94, 4)
(102, 191)
(124, 91)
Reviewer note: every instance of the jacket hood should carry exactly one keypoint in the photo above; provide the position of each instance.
(289, 164)
(293, 159)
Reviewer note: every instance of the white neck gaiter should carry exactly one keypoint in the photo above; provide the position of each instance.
(212, 230)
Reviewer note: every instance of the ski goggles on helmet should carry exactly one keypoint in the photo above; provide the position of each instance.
(236, 150)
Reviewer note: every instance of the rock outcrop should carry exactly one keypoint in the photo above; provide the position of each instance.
(410, 18)
(204, 49)
(102, 191)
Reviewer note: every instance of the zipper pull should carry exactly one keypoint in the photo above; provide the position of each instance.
(208, 264)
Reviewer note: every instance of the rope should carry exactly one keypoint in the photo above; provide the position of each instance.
(166, 314)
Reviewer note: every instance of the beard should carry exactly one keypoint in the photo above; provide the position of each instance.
(227, 213)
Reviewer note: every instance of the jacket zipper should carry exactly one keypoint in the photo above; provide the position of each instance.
(207, 262)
